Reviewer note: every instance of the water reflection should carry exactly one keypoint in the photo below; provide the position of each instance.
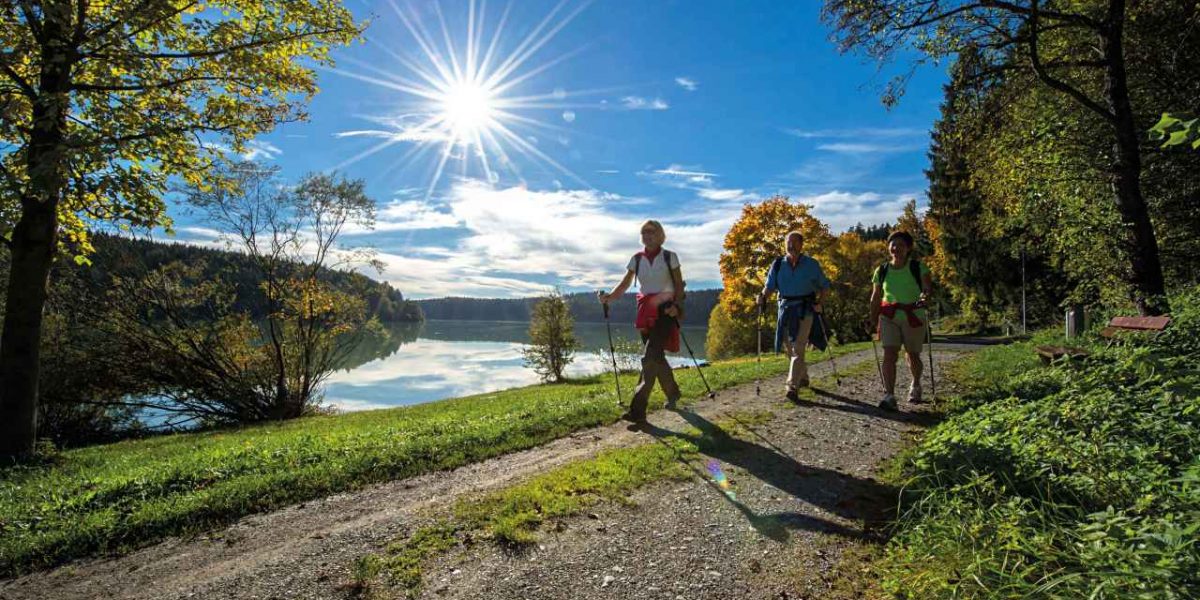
(443, 359)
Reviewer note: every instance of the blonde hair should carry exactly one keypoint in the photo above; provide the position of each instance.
(662, 233)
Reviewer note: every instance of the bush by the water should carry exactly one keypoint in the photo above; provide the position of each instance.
(1071, 481)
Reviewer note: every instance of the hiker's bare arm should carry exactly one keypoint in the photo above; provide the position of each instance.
(927, 286)
(619, 290)
(765, 294)
(876, 296)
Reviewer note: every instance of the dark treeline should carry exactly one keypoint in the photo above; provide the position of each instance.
(874, 232)
(117, 256)
(583, 305)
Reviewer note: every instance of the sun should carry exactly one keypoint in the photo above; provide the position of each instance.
(463, 95)
(467, 110)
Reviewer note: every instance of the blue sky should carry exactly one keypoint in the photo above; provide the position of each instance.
(681, 111)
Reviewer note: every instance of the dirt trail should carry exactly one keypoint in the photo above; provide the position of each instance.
(803, 483)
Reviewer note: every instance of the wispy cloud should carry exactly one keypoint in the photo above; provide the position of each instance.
(680, 173)
(640, 103)
(256, 149)
(687, 83)
(697, 180)
(608, 171)
(725, 195)
(858, 132)
(868, 148)
(409, 127)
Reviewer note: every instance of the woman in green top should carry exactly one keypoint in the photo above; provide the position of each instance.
(898, 297)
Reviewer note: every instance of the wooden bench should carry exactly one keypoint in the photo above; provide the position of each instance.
(1122, 326)
(1049, 354)
(1117, 328)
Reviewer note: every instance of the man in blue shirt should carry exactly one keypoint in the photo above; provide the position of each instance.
(802, 286)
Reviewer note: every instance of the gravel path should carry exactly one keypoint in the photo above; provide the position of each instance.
(804, 489)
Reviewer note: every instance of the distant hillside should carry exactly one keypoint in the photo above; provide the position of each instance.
(584, 307)
(120, 255)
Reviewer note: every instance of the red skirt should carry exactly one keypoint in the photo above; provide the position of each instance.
(648, 314)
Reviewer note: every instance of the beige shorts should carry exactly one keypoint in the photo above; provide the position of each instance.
(896, 332)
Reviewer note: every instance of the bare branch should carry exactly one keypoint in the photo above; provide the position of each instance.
(35, 26)
(15, 77)
(1058, 84)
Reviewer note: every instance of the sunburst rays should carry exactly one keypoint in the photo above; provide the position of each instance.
(460, 98)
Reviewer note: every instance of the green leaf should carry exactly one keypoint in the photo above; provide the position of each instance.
(1178, 137)
(1165, 124)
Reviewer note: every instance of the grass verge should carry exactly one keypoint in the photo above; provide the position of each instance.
(512, 516)
(1069, 481)
(115, 497)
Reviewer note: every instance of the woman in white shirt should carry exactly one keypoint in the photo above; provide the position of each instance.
(659, 303)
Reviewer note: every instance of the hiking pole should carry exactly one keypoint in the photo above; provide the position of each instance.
(829, 345)
(758, 366)
(612, 351)
(694, 361)
(878, 365)
(828, 341)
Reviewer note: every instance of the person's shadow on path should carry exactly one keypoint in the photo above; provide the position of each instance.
(851, 405)
(849, 497)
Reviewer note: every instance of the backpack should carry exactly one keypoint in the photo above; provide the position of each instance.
(637, 263)
(914, 267)
(666, 254)
(777, 264)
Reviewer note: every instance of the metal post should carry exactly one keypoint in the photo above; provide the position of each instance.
(1024, 330)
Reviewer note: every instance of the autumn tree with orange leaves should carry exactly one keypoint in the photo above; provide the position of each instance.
(751, 245)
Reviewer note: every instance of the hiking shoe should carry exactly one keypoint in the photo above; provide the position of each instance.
(914, 394)
(792, 395)
(888, 403)
(672, 403)
(803, 383)
(633, 418)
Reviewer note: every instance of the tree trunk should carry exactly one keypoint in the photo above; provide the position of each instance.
(1148, 287)
(32, 254)
(34, 239)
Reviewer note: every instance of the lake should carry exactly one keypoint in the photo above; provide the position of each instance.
(434, 360)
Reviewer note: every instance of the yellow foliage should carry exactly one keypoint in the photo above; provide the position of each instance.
(754, 242)
(854, 261)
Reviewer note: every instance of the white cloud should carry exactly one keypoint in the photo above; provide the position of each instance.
(842, 210)
(687, 83)
(858, 132)
(517, 242)
(724, 195)
(640, 103)
(256, 149)
(402, 128)
(679, 174)
(411, 215)
(868, 148)
(697, 180)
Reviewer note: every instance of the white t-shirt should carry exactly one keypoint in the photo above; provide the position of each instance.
(654, 277)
